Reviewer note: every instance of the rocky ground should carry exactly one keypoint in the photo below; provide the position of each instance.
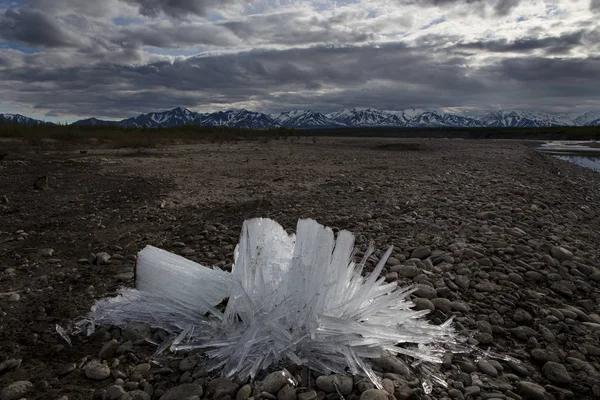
(503, 238)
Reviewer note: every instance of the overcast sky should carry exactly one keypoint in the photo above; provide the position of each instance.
(65, 59)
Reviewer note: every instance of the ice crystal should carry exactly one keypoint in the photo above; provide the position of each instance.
(298, 298)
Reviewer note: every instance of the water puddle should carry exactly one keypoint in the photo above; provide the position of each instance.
(584, 154)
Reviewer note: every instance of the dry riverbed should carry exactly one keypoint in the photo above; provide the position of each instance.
(501, 237)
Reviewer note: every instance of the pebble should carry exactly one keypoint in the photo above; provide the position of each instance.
(14, 297)
(114, 392)
(556, 373)
(47, 252)
(136, 395)
(108, 350)
(409, 271)
(275, 381)
(423, 304)
(307, 395)
(16, 390)
(374, 394)
(135, 331)
(531, 391)
(328, 383)
(187, 390)
(102, 258)
(97, 371)
(487, 368)
(444, 305)
(421, 252)
(288, 392)
(244, 393)
(561, 253)
(425, 291)
(221, 387)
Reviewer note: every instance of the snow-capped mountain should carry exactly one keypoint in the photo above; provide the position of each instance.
(19, 119)
(304, 119)
(166, 119)
(239, 119)
(361, 117)
(591, 118)
(350, 118)
(523, 119)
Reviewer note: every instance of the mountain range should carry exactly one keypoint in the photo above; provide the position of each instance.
(350, 118)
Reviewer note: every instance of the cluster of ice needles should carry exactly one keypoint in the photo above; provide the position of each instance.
(298, 299)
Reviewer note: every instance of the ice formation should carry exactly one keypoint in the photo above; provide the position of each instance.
(298, 298)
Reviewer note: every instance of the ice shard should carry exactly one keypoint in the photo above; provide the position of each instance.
(299, 299)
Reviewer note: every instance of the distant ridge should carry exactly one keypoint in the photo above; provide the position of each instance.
(349, 118)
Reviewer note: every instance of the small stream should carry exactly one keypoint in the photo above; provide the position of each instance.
(579, 153)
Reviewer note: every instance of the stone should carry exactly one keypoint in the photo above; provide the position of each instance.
(124, 277)
(516, 232)
(288, 392)
(556, 373)
(221, 387)
(425, 291)
(108, 350)
(16, 390)
(409, 271)
(421, 252)
(14, 297)
(9, 364)
(486, 215)
(244, 393)
(184, 391)
(136, 395)
(135, 331)
(487, 368)
(114, 392)
(391, 363)
(484, 338)
(423, 304)
(444, 305)
(374, 394)
(102, 258)
(516, 278)
(404, 393)
(47, 252)
(472, 390)
(66, 369)
(308, 395)
(531, 391)
(561, 253)
(97, 371)
(275, 381)
(462, 282)
(188, 363)
(391, 277)
(328, 383)
(543, 356)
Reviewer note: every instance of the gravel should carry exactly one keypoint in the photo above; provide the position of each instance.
(491, 232)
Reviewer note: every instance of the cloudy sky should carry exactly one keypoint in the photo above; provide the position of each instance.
(65, 59)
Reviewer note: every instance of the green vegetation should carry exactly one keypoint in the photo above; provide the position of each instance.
(554, 133)
(119, 137)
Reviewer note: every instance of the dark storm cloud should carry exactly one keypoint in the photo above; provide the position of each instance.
(177, 8)
(501, 7)
(34, 28)
(169, 35)
(595, 5)
(551, 45)
(391, 76)
(294, 28)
